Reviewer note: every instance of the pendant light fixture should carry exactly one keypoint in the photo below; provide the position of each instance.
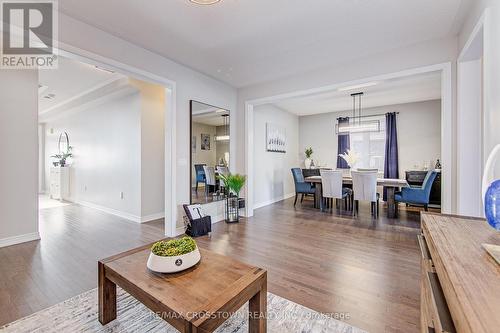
(225, 137)
(356, 124)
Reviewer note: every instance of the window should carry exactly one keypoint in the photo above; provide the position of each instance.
(370, 147)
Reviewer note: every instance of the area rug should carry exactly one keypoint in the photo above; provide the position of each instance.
(79, 314)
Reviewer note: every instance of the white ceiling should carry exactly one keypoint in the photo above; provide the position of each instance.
(410, 89)
(244, 42)
(208, 114)
(69, 80)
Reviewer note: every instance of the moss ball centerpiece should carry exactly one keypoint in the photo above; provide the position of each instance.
(174, 255)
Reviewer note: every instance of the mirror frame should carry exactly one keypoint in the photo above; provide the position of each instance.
(63, 134)
(191, 101)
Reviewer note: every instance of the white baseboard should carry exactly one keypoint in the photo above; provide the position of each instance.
(217, 218)
(119, 213)
(19, 239)
(179, 231)
(270, 202)
(128, 216)
(152, 217)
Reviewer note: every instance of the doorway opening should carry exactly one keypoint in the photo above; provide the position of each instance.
(442, 71)
(103, 141)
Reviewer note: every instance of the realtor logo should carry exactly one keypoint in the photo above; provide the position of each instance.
(28, 34)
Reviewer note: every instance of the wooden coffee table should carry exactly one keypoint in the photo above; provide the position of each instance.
(199, 299)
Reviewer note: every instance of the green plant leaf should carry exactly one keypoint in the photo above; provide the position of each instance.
(174, 247)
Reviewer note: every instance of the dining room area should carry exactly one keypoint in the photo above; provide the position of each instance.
(369, 151)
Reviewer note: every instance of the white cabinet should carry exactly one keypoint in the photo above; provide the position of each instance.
(59, 183)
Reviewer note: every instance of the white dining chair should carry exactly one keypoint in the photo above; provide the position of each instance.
(224, 171)
(331, 182)
(364, 186)
(209, 178)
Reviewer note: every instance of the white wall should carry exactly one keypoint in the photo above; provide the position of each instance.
(418, 125)
(152, 108)
(491, 82)
(41, 158)
(19, 156)
(273, 180)
(470, 139)
(106, 140)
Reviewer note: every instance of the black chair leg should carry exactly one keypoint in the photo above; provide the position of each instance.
(296, 196)
(426, 207)
(302, 199)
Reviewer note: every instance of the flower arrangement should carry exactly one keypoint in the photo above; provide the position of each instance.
(351, 157)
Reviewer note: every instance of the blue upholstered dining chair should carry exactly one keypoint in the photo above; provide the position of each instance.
(418, 195)
(301, 187)
(200, 174)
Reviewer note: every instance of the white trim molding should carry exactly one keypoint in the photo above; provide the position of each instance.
(112, 211)
(19, 239)
(152, 217)
(179, 231)
(124, 215)
(272, 201)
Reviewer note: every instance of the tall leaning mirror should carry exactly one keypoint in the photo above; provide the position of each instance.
(209, 152)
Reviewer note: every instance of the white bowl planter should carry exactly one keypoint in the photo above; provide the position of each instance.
(173, 264)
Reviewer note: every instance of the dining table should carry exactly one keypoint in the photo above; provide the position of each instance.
(392, 185)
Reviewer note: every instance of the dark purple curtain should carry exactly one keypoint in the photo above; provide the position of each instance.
(391, 165)
(343, 144)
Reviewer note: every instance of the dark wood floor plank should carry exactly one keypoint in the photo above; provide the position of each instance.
(329, 262)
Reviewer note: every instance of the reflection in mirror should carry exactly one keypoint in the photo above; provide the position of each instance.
(209, 152)
(63, 143)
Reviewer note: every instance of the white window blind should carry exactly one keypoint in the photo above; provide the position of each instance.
(370, 146)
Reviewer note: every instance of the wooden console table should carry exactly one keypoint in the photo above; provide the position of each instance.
(460, 285)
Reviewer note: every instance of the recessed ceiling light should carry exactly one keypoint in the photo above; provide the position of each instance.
(205, 2)
(358, 86)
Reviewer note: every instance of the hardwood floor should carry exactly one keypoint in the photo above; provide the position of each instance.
(357, 267)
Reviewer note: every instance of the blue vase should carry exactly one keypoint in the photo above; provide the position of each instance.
(492, 204)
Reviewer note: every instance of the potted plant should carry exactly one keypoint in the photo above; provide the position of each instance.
(174, 255)
(308, 160)
(62, 157)
(234, 183)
